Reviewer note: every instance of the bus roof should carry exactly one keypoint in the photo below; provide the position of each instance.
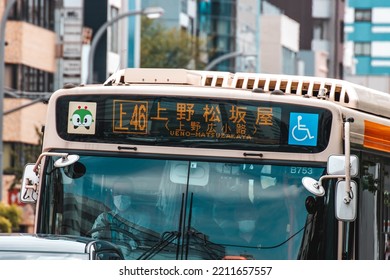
(341, 92)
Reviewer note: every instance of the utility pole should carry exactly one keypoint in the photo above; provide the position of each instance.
(151, 12)
(2, 67)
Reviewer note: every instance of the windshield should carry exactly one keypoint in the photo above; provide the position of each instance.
(179, 209)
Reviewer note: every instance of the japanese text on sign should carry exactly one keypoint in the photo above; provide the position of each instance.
(191, 119)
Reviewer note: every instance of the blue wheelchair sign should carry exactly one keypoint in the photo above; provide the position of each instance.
(303, 129)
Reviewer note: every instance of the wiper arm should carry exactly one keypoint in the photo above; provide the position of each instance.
(133, 231)
(214, 250)
(189, 227)
(167, 238)
(201, 238)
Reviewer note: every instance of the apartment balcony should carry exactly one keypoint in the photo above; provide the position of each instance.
(322, 8)
(30, 45)
(320, 45)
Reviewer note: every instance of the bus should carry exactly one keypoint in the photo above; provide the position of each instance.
(217, 166)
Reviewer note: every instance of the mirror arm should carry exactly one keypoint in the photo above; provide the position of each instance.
(38, 162)
(348, 190)
(330, 177)
(347, 145)
(347, 154)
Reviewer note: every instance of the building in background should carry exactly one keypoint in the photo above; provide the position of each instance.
(367, 29)
(218, 25)
(76, 23)
(248, 36)
(213, 21)
(133, 34)
(279, 44)
(30, 64)
(111, 51)
(321, 40)
(238, 28)
(177, 13)
(69, 30)
(180, 15)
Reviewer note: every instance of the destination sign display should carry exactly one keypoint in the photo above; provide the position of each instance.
(197, 119)
(193, 122)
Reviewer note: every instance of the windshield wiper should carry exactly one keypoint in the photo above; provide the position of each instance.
(168, 237)
(138, 233)
(214, 250)
(201, 239)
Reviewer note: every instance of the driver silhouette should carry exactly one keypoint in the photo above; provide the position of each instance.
(126, 223)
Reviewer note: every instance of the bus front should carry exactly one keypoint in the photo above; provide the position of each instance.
(208, 173)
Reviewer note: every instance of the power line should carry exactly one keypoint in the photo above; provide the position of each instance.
(26, 105)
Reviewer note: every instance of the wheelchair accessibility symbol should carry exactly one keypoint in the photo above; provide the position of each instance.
(303, 129)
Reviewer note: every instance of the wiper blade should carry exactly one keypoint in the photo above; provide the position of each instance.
(214, 250)
(201, 239)
(167, 238)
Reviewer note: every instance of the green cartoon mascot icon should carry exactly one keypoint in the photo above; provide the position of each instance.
(82, 117)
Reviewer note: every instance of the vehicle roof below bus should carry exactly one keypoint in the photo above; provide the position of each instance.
(46, 246)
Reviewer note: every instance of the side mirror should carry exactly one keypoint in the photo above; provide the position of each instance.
(346, 203)
(336, 165)
(29, 191)
(30, 180)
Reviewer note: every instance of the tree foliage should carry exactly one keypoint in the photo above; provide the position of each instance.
(167, 48)
(5, 225)
(10, 218)
(22, 154)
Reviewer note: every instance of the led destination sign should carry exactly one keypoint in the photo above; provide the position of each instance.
(199, 120)
(193, 122)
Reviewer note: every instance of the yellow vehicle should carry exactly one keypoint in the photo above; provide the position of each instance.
(218, 165)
